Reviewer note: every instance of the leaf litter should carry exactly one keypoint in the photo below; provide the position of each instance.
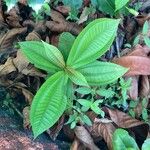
(19, 77)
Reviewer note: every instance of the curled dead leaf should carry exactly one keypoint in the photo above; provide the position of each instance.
(133, 91)
(59, 24)
(7, 40)
(54, 131)
(13, 18)
(33, 36)
(8, 67)
(26, 120)
(104, 130)
(63, 9)
(122, 119)
(84, 137)
(142, 18)
(24, 67)
(144, 87)
(76, 145)
(27, 94)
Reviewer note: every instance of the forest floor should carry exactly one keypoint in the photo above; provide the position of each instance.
(19, 80)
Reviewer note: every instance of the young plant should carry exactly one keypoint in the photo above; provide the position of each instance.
(115, 94)
(113, 7)
(123, 141)
(78, 116)
(144, 35)
(80, 67)
(74, 5)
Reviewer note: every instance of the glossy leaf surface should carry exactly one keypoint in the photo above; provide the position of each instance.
(92, 42)
(101, 73)
(48, 104)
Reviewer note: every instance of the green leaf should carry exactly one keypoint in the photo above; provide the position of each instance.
(132, 11)
(76, 77)
(145, 28)
(133, 103)
(71, 118)
(97, 102)
(120, 4)
(147, 41)
(66, 41)
(146, 145)
(123, 141)
(106, 6)
(46, 8)
(95, 107)
(84, 90)
(144, 102)
(107, 93)
(84, 102)
(48, 104)
(102, 73)
(38, 55)
(86, 120)
(73, 125)
(136, 40)
(54, 55)
(95, 39)
(70, 90)
(73, 3)
(144, 114)
(132, 113)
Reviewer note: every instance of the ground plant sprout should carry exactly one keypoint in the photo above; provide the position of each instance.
(80, 67)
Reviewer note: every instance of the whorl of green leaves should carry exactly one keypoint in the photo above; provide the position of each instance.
(78, 66)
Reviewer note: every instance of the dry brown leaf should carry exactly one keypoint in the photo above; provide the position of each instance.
(63, 9)
(23, 66)
(104, 130)
(140, 51)
(13, 19)
(54, 40)
(142, 18)
(28, 95)
(20, 61)
(33, 36)
(133, 91)
(131, 28)
(1, 12)
(137, 61)
(84, 137)
(26, 120)
(122, 119)
(138, 109)
(8, 67)
(69, 132)
(137, 65)
(144, 87)
(76, 145)
(54, 131)
(8, 39)
(59, 24)
(91, 115)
